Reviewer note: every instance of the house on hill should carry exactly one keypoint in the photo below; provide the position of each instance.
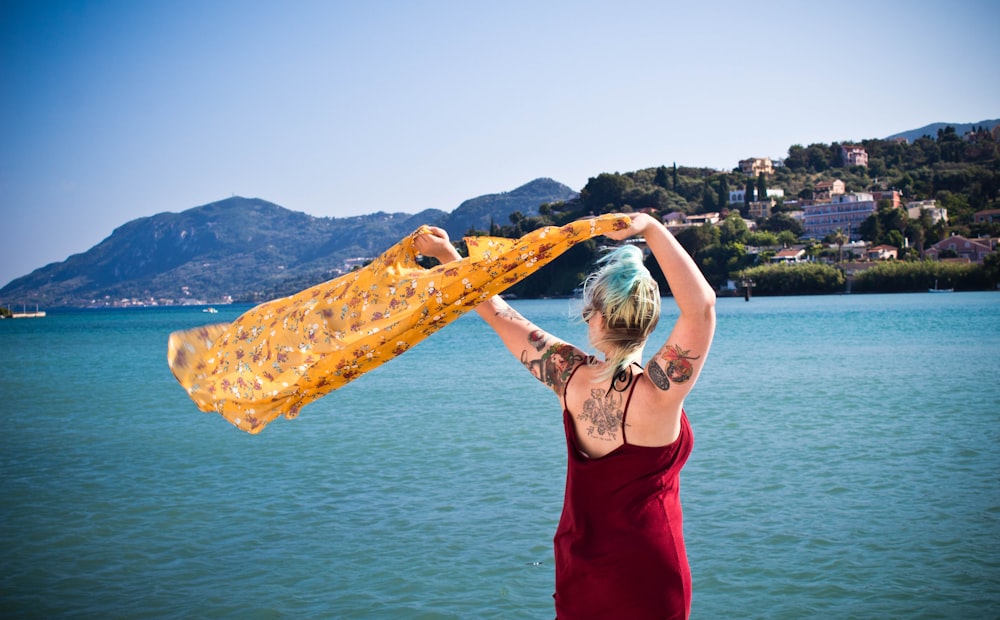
(854, 155)
(674, 219)
(883, 252)
(824, 190)
(973, 250)
(756, 165)
(989, 215)
(936, 213)
(794, 254)
(894, 197)
(702, 218)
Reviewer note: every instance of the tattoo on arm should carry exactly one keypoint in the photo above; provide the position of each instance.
(506, 312)
(658, 377)
(603, 414)
(556, 363)
(679, 367)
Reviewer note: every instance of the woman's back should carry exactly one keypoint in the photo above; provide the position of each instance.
(620, 546)
(597, 410)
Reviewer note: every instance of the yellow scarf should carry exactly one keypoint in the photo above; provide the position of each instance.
(283, 354)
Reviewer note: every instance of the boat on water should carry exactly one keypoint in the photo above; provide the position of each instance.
(210, 310)
(24, 314)
(940, 290)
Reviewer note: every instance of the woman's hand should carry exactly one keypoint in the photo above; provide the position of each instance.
(640, 222)
(436, 244)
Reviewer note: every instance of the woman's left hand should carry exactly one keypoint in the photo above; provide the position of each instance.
(436, 244)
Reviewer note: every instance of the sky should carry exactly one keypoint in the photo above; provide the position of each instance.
(116, 110)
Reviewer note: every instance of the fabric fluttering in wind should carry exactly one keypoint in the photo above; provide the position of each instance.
(281, 355)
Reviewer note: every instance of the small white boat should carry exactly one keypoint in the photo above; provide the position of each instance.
(210, 310)
(940, 290)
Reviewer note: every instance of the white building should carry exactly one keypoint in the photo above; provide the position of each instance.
(737, 196)
(913, 210)
(843, 212)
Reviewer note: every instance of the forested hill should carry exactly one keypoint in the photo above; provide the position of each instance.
(960, 172)
(933, 129)
(244, 248)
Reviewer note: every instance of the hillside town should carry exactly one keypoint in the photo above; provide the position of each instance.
(834, 211)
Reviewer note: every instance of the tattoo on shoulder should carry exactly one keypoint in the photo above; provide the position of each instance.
(556, 363)
(679, 367)
(602, 413)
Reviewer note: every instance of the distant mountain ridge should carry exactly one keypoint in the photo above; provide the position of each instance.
(932, 129)
(245, 249)
(249, 249)
(479, 213)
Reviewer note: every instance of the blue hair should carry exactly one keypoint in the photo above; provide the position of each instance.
(628, 298)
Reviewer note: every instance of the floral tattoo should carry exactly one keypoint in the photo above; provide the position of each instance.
(603, 414)
(679, 367)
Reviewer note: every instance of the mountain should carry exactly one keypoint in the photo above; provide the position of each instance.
(479, 213)
(244, 249)
(932, 129)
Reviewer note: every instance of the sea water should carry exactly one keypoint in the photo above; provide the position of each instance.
(846, 465)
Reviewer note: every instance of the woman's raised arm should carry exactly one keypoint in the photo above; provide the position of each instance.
(549, 360)
(676, 366)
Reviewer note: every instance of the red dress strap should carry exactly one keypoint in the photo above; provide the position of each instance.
(570, 378)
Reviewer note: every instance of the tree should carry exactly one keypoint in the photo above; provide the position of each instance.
(787, 238)
(697, 238)
(761, 186)
(733, 229)
(871, 229)
(708, 198)
(794, 279)
(604, 193)
(838, 238)
(762, 238)
(895, 239)
(796, 159)
(916, 232)
(991, 266)
(723, 191)
(783, 222)
(818, 157)
(661, 178)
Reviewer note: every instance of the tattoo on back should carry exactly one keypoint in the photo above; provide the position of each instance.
(603, 414)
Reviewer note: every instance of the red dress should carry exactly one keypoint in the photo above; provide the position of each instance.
(620, 546)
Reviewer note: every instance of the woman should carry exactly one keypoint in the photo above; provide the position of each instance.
(619, 546)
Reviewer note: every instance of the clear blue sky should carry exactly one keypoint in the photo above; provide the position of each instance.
(116, 110)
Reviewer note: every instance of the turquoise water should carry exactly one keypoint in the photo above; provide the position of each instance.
(846, 465)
